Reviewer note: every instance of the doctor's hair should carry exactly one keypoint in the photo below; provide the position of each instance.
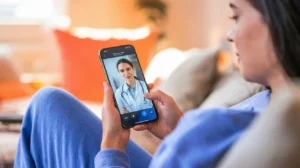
(123, 60)
(282, 19)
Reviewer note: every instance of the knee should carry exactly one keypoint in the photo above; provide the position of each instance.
(55, 109)
(47, 95)
(49, 100)
(45, 92)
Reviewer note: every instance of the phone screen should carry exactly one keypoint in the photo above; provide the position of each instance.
(126, 78)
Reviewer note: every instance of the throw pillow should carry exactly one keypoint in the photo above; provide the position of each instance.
(82, 71)
(230, 89)
(191, 82)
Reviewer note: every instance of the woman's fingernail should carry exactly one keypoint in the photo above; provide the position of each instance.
(105, 84)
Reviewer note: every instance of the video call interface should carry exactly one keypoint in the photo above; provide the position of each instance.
(128, 84)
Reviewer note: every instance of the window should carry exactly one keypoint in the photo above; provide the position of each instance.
(31, 9)
(7, 8)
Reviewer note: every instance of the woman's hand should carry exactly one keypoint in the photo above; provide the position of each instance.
(168, 115)
(114, 136)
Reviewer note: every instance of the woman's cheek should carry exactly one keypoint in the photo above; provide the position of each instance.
(239, 41)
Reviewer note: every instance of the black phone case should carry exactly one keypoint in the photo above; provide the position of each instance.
(106, 76)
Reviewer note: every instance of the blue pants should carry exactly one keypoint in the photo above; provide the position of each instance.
(59, 131)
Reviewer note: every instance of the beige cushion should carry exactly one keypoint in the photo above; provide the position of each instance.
(191, 82)
(163, 64)
(273, 140)
(230, 89)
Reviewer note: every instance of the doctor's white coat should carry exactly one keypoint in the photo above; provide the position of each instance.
(138, 102)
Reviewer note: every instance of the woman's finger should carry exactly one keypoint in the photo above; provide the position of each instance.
(140, 127)
(124, 110)
(157, 95)
(150, 86)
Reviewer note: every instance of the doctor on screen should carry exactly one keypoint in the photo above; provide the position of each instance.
(130, 95)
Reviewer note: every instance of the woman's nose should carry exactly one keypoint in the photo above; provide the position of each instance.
(230, 36)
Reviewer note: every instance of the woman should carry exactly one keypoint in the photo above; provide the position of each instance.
(58, 130)
(130, 95)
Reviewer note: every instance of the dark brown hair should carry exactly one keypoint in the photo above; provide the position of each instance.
(124, 61)
(283, 20)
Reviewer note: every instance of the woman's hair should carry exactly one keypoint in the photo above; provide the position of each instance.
(283, 20)
(124, 61)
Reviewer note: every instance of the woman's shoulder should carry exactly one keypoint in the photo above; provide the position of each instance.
(214, 119)
(216, 115)
(257, 102)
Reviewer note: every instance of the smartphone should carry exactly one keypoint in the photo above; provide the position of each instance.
(123, 72)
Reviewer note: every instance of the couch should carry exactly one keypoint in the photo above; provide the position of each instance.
(273, 139)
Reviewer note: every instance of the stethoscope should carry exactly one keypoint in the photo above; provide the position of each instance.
(123, 92)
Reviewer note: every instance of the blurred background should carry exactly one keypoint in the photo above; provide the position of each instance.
(56, 43)
(28, 28)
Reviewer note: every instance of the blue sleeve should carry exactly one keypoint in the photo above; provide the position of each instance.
(111, 158)
(201, 138)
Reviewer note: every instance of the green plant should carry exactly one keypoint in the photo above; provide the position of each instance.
(156, 9)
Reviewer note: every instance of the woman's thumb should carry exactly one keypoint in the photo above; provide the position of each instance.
(157, 95)
(108, 95)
